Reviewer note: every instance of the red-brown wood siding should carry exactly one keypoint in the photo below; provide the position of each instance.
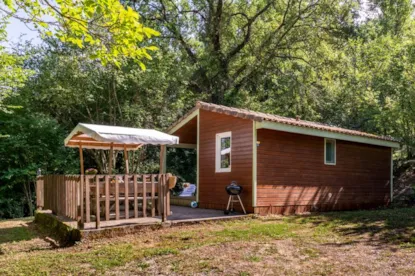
(187, 133)
(212, 185)
(292, 176)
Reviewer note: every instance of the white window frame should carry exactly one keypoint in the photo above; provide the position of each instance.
(335, 152)
(219, 136)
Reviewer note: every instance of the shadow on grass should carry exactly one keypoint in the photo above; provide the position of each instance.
(15, 234)
(24, 231)
(383, 226)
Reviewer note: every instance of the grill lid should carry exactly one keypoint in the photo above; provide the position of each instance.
(233, 189)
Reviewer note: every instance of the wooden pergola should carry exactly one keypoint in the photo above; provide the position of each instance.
(89, 136)
(99, 199)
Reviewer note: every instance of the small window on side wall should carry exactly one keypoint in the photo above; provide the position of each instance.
(329, 151)
(223, 152)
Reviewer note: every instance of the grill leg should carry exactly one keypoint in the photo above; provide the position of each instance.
(229, 203)
(227, 207)
(240, 201)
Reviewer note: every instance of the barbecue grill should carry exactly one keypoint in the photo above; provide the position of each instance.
(233, 190)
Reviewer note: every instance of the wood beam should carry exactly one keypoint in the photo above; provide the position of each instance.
(102, 145)
(183, 146)
(163, 159)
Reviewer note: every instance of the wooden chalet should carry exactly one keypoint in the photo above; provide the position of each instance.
(285, 165)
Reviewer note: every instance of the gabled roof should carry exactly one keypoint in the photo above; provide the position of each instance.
(264, 117)
(102, 136)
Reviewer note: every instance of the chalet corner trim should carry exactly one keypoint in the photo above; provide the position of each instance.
(325, 134)
(254, 163)
(197, 154)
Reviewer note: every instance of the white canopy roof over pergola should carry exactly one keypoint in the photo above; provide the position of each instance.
(89, 136)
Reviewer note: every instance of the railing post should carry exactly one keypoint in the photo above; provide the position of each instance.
(107, 198)
(126, 199)
(160, 196)
(144, 195)
(39, 193)
(81, 201)
(153, 196)
(164, 199)
(135, 196)
(117, 199)
(87, 200)
(97, 203)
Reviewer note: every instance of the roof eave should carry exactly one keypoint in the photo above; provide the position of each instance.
(326, 134)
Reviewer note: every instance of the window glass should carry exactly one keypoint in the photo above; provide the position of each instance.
(330, 151)
(225, 152)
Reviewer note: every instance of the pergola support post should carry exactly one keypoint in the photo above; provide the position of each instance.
(80, 190)
(81, 159)
(164, 189)
(163, 159)
(111, 156)
(127, 169)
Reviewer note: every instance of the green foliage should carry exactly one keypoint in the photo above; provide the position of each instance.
(12, 73)
(34, 142)
(182, 163)
(112, 31)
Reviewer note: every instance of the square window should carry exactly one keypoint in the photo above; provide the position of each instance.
(223, 152)
(329, 151)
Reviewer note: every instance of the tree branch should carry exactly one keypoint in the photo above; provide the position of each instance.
(247, 37)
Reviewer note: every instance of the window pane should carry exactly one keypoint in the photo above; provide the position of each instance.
(330, 152)
(225, 143)
(225, 152)
(225, 161)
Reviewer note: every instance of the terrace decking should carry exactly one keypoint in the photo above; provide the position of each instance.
(179, 215)
(123, 200)
(106, 200)
(70, 232)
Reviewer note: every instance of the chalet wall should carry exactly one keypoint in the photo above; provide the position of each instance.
(292, 176)
(212, 185)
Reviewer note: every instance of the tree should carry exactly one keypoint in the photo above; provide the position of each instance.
(113, 31)
(12, 73)
(231, 43)
(34, 141)
(85, 91)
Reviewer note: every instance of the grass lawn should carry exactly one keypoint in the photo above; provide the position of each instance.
(380, 242)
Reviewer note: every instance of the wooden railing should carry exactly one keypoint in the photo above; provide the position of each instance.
(113, 199)
(58, 193)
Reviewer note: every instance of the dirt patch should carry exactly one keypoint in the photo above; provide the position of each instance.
(281, 257)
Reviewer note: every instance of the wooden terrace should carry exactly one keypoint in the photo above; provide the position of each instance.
(107, 199)
(96, 201)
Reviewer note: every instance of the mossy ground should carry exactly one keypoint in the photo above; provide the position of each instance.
(377, 242)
